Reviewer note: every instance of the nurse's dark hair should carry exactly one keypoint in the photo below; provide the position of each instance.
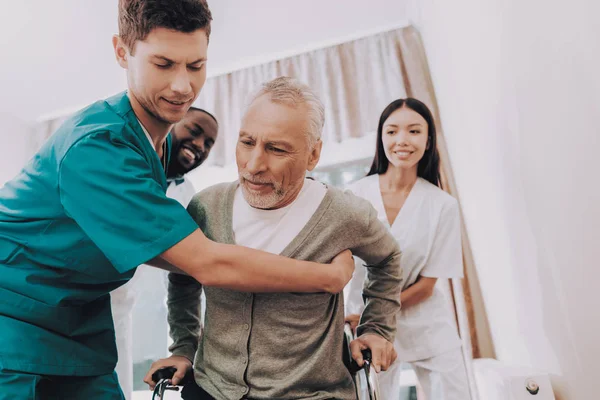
(137, 18)
(429, 166)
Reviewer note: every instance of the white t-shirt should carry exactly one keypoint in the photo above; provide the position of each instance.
(273, 230)
(427, 229)
(183, 192)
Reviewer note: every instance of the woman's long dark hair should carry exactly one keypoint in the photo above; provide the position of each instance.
(429, 166)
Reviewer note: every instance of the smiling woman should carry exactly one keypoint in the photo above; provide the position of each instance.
(404, 187)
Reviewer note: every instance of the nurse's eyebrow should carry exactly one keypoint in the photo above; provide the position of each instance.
(201, 59)
(396, 126)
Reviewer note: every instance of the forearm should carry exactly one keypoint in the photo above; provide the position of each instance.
(382, 295)
(381, 290)
(184, 316)
(418, 292)
(384, 281)
(243, 269)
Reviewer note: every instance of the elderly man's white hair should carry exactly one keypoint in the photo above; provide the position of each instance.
(292, 92)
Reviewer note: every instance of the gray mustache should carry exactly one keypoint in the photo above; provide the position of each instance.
(256, 179)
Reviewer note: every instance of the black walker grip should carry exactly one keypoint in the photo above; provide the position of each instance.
(353, 367)
(164, 373)
(168, 372)
(367, 355)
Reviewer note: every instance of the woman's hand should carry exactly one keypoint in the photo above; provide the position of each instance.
(353, 320)
(419, 291)
(343, 268)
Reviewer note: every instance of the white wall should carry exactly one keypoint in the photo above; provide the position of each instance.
(517, 83)
(259, 30)
(14, 147)
(56, 55)
(61, 55)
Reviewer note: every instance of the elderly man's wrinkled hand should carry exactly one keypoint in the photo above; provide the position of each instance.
(383, 354)
(180, 363)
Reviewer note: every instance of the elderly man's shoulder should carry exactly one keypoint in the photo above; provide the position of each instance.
(351, 207)
(209, 207)
(212, 195)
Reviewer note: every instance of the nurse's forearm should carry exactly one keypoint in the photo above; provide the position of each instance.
(419, 291)
(244, 269)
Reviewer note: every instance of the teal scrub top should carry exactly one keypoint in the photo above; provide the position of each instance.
(85, 211)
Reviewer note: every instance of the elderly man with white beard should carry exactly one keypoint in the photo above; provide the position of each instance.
(282, 345)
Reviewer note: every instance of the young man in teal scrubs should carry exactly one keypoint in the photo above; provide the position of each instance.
(91, 206)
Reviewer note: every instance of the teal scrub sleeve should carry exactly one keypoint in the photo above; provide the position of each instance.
(108, 188)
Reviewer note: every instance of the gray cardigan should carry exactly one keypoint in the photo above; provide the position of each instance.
(284, 345)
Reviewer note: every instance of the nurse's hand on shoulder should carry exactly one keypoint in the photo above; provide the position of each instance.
(344, 267)
(182, 364)
(383, 354)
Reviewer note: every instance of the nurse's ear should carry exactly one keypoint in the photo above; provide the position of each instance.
(121, 51)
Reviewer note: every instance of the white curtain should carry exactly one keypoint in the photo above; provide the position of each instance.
(355, 81)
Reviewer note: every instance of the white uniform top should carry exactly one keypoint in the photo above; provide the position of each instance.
(183, 192)
(428, 231)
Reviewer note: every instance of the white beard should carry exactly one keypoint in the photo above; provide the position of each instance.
(262, 201)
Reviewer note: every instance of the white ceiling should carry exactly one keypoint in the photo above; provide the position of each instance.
(57, 55)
